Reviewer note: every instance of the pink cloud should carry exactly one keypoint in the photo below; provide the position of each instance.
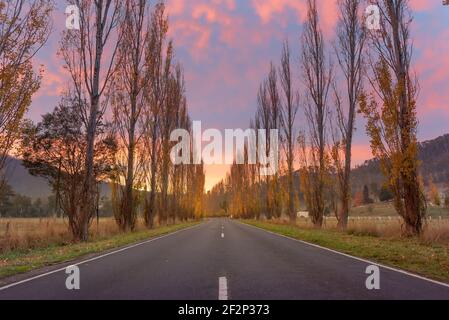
(189, 29)
(424, 5)
(267, 9)
(432, 70)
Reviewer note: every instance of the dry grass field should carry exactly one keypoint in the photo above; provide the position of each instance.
(381, 220)
(29, 234)
(436, 230)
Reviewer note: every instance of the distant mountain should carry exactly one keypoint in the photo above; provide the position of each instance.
(25, 184)
(434, 157)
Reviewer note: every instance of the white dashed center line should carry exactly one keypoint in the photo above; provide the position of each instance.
(222, 289)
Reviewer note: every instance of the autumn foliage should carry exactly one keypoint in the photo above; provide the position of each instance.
(24, 28)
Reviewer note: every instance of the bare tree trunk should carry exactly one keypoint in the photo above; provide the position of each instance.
(151, 203)
(289, 112)
(275, 113)
(128, 100)
(129, 187)
(263, 121)
(317, 78)
(268, 117)
(349, 52)
(97, 21)
(160, 60)
(87, 208)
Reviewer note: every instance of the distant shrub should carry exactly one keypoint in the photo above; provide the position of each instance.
(434, 194)
(385, 194)
(366, 196)
(446, 199)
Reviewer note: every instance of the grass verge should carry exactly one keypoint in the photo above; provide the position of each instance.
(431, 261)
(22, 261)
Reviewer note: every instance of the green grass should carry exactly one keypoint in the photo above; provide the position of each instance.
(17, 262)
(407, 254)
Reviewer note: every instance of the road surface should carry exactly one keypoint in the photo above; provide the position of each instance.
(224, 259)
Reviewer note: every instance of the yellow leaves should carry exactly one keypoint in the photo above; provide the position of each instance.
(434, 193)
(23, 31)
(17, 87)
(391, 126)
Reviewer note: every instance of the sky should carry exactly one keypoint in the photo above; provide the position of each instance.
(225, 47)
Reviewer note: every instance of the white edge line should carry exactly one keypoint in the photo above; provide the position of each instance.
(352, 257)
(97, 258)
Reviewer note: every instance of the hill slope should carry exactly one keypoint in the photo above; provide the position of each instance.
(25, 184)
(434, 157)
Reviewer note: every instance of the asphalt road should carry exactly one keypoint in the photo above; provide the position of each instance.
(225, 259)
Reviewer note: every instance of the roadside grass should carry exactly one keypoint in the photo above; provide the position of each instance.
(414, 255)
(22, 261)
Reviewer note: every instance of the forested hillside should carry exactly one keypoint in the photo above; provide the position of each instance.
(433, 154)
(23, 183)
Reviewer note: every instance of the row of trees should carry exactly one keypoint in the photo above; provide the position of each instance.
(148, 103)
(16, 205)
(372, 76)
(121, 63)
